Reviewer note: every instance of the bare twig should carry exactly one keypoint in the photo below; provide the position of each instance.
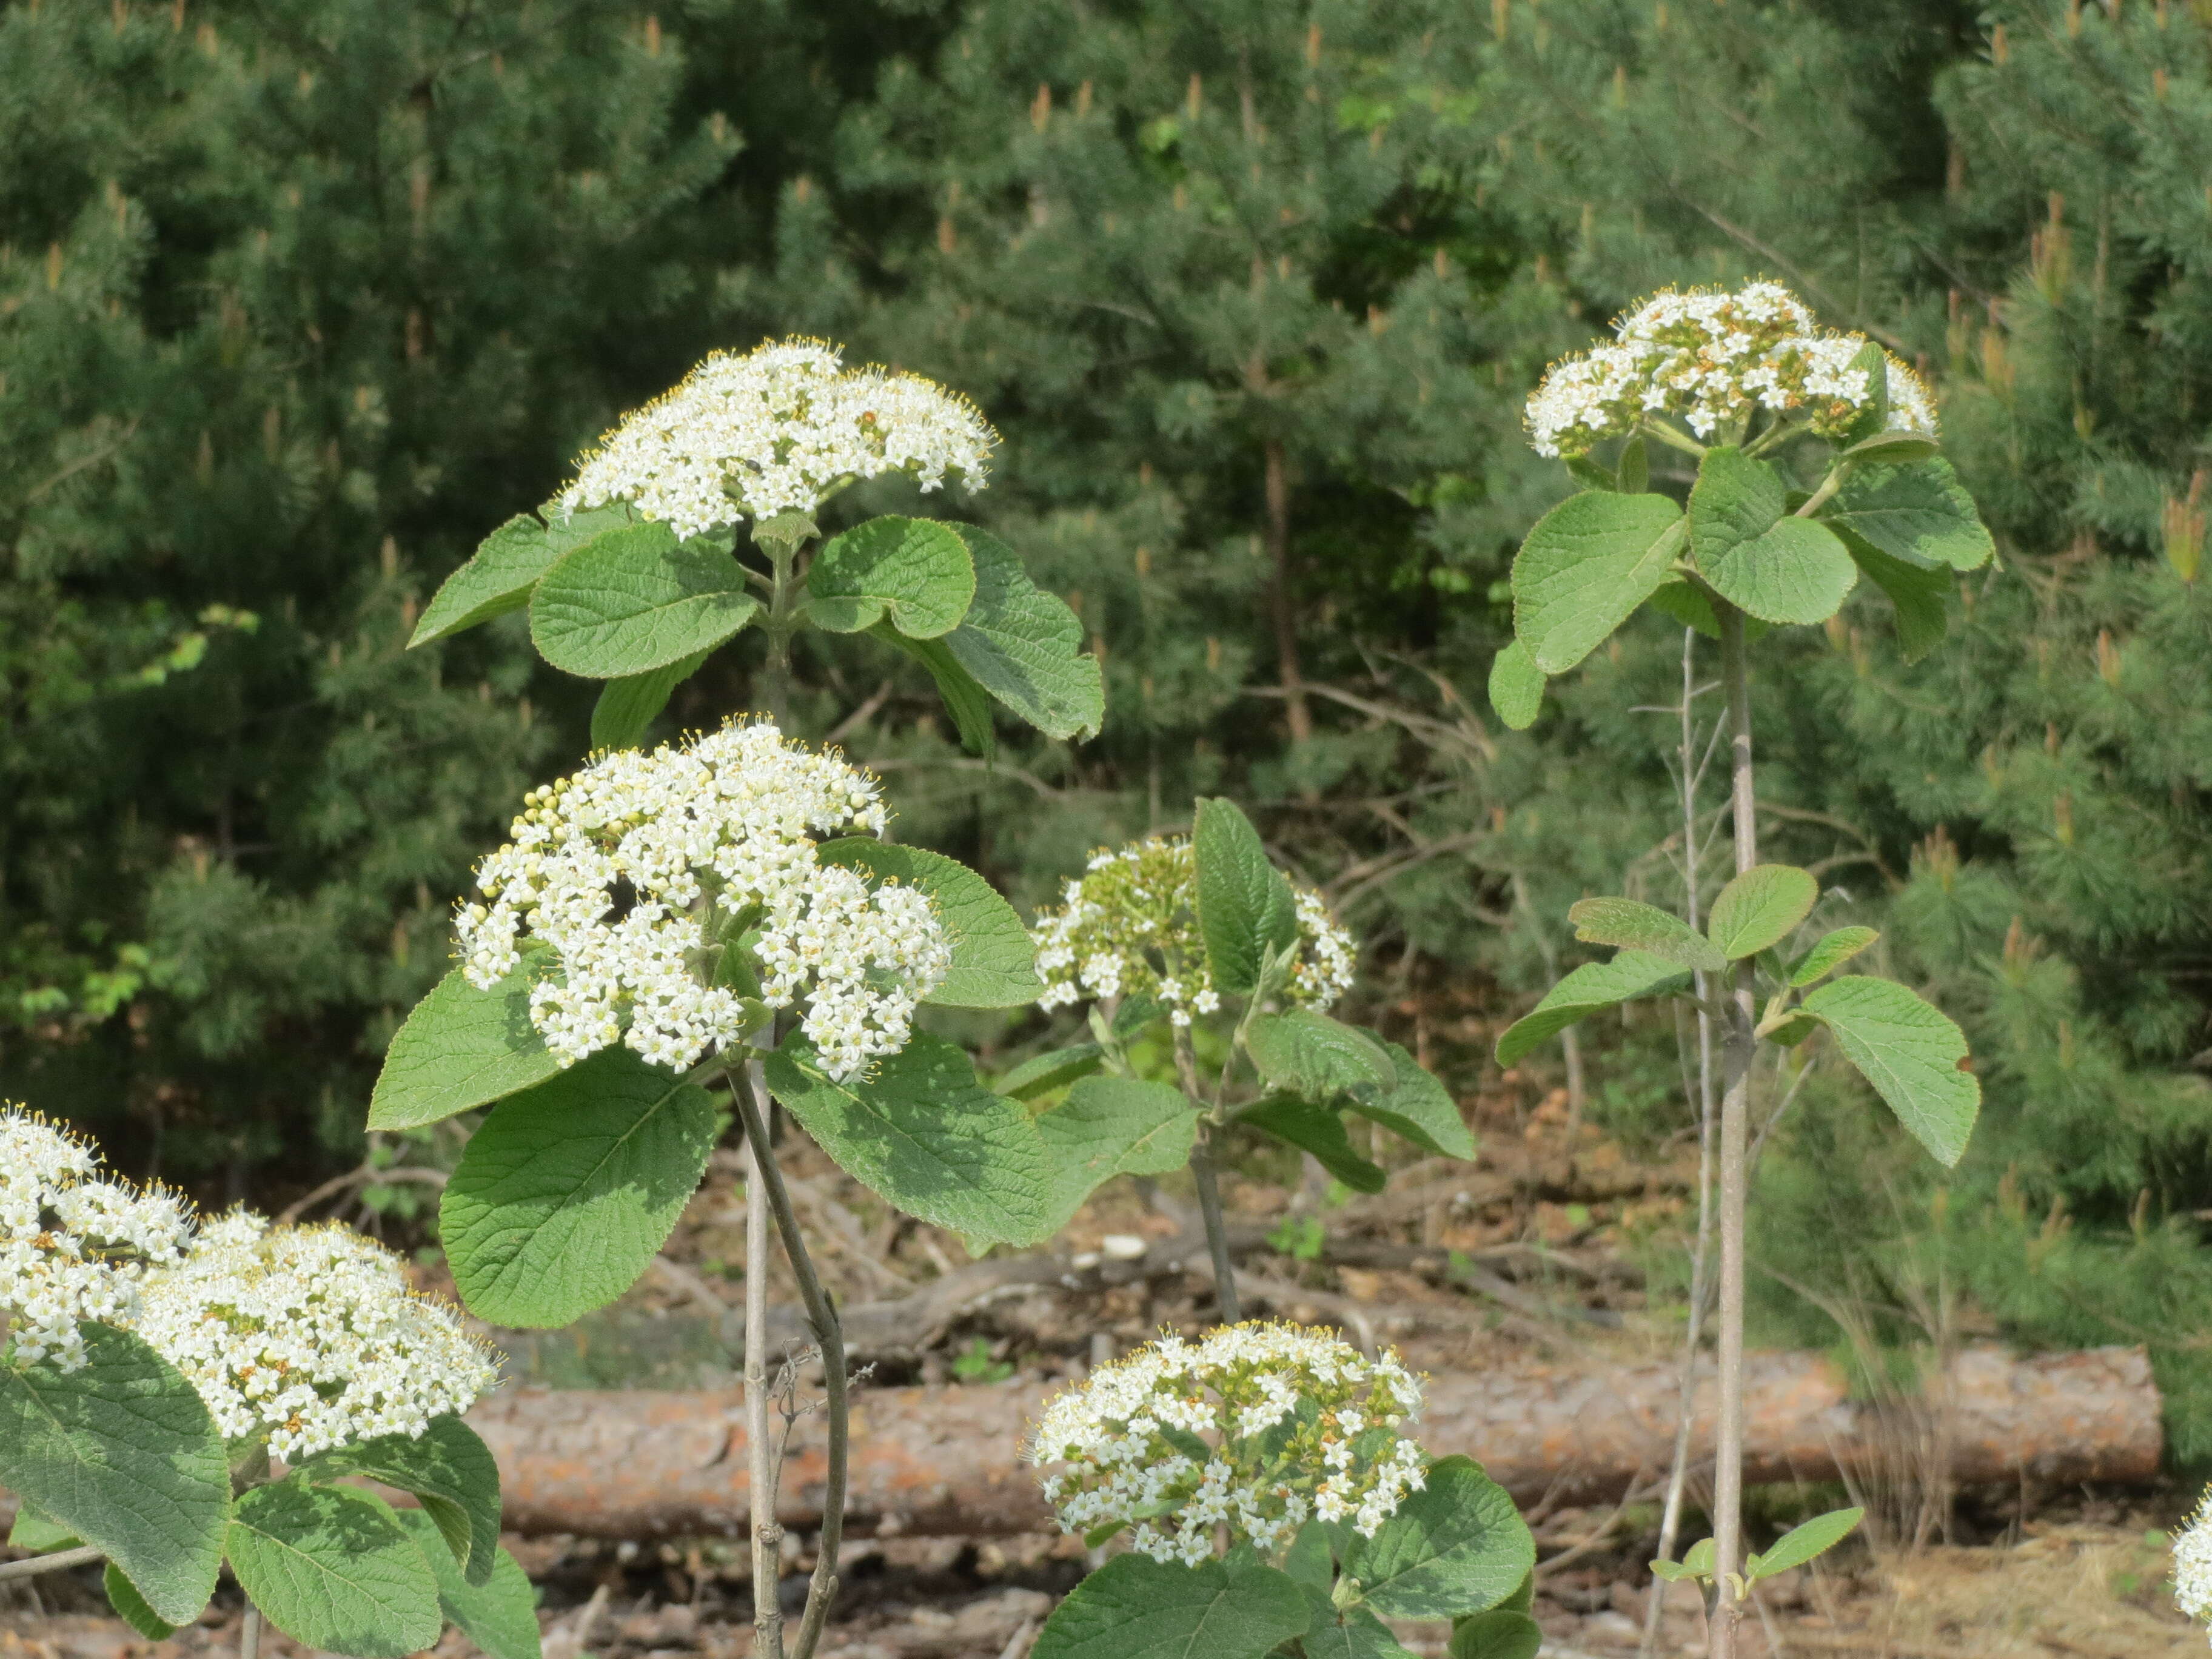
(58, 1561)
(366, 1174)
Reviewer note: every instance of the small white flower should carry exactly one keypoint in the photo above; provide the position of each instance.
(74, 1247)
(308, 1337)
(2192, 1563)
(779, 429)
(720, 831)
(1295, 1424)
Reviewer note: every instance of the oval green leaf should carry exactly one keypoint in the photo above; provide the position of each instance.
(994, 961)
(1516, 686)
(1311, 1055)
(1111, 1125)
(499, 1613)
(1778, 568)
(1761, 908)
(1829, 953)
(460, 1047)
(507, 565)
(1584, 569)
(918, 570)
(448, 1467)
(633, 600)
(1456, 1547)
(1024, 645)
(1918, 513)
(1596, 985)
(1638, 927)
(1313, 1128)
(1804, 1541)
(1416, 1106)
(1245, 911)
(1912, 1053)
(1498, 1634)
(332, 1568)
(1135, 1607)
(626, 707)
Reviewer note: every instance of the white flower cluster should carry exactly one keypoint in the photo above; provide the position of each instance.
(308, 1337)
(1710, 358)
(2192, 1563)
(73, 1246)
(1259, 1427)
(1128, 926)
(707, 845)
(778, 430)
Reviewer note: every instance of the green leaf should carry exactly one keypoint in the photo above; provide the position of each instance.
(1699, 1561)
(923, 1133)
(132, 1608)
(508, 565)
(448, 1467)
(634, 599)
(967, 701)
(1911, 1052)
(1316, 1128)
(332, 1568)
(1458, 1545)
(1245, 911)
(1802, 1542)
(916, 570)
(1591, 475)
(1585, 567)
(1781, 570)
(123, 1454)
(1687, 605)
(1414, 1106)
(1135, 1607)
(461, 1048)
(1516, 686)
(1594, 985)
(1918, 596)
(1893, 447)
(568, 1192)
(1040, 1074)
(500, 1613)
(1829, 953)
(1110, 1125)
(1792, 1032)
(1918, 513)
(1761, 908)
(1498, 1634)
(993, 962)
(1673, 1571)
(1024, 645)
(1311, 1055)
(1634, 473)
(1333, 1632)
(629, 705)
(1308, 1560)
(40, 1534)
(1644, 927)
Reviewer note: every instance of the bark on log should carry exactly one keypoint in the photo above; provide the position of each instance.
(945, 1460)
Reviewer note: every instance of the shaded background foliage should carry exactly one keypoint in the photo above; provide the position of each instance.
(299, 298)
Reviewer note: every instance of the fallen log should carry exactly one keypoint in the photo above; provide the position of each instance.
(946, 1461)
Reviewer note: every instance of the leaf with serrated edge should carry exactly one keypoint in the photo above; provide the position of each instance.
(332, 1568)
(1584, 569)
(922, 1133)
(1778, 568)
(918, 568)
(1911, 1052)
(1918, 597)
(1313, 1128)
(1804, 1541)
(1636, 926)
(1344, 1633)
(507, 565)
(1596, 985)
(1110, 1125)
(1458, 1546)
(626, 707)
(1516, 686)
(1245, 911)
(970, 707)
(1311, 1055)
(636, 599)
(1918, 513)
(1024, 646)
(132, 1608)
(448, 1467)
(123, 1453)
(500, 1614)
(993, 960)
(1498, 1634)
(1415, 1106)
(1829, 953)
(1135, 1607)
(568, 1192)
(461, 1048)
(1041, 1074)
(1760, 908)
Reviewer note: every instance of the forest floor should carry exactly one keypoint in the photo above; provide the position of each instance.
(1557, 1240)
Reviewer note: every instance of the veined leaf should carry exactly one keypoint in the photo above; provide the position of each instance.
(1041, 1074)
(460, 1047)
(1802, 1542)
(1458, 1545)
(1911, 1052)
(1516, 686)
(568, 1192)
(332, 1568)
(629, 706)
(1644, 928)
(1245, 911)
(1584, 569)
(1313, 1128)
(1761, 908)
(636, 599)
(507, 565)
(132, 1608)
(917, 571)
(37, 1533)
(965, 699)
(1024, 645)
(1779, 568)
(1110, 1125)
(1918, 595)
(1311, 1055)
(448, 1467)
(1498, 1634)
(1596, 985)
(921, 1132)
(1333, 1632)
(993, 962)
(1918, 513)
(500, 1613)
(123, 1454)
(1829, 953)
(1415, 1106)
(1135, 1607)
